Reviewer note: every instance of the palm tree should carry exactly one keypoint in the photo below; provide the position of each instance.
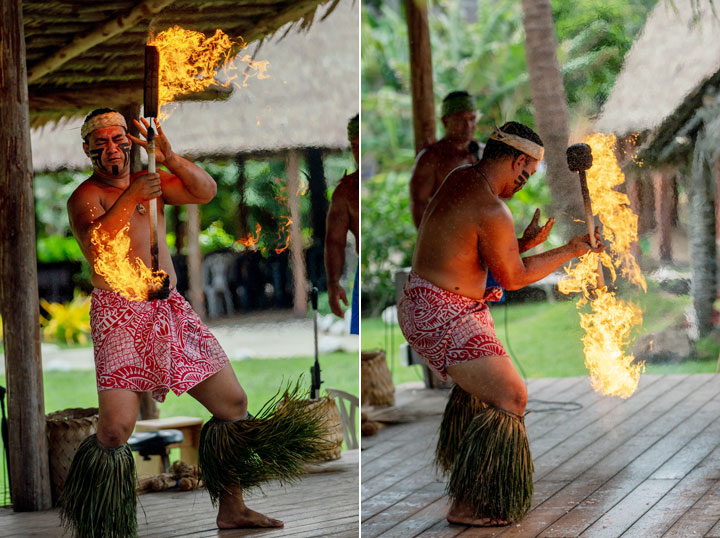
(551, 112)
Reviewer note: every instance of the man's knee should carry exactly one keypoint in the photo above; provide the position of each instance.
(516, 397)
(114, 434)
(234, 407)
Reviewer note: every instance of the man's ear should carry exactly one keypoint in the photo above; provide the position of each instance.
(519, 162)
(86, 149)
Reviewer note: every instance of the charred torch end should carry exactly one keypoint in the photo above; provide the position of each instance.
(579, 157)
(162, 292)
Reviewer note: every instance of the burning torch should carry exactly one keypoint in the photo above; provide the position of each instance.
(150, 110)
(580, 159)
(315, 368)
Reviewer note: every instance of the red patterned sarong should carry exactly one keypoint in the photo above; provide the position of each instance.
(151, 345)
(445, 328)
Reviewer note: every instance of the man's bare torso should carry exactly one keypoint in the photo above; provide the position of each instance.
(446, 157)
(348, 190)
(446, 252)
(93, 193)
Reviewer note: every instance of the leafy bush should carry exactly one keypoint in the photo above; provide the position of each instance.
(68, 323)
(58, 249)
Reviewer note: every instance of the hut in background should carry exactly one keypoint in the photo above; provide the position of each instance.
(664, 107)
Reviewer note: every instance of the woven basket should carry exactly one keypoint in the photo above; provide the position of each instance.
(66, 429)
(327, 408)
(376, 381)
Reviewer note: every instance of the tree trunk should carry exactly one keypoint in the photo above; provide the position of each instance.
(242, 223)
(702, 237)
(297, 258)
(421, 74)
(318, 194)
(551, 114)
(27, 443)
(663, 183)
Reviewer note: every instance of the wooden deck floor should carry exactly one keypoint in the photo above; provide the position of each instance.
(643, 467)
(324, 503)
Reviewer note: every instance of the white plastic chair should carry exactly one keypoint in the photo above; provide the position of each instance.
(347, 405)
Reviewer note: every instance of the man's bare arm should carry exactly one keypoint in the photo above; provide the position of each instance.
(337, 226)
(422, 183)
(499, 248)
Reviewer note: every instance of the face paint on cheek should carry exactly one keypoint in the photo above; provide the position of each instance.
(96, 158)
(125, 147)
(521, 180)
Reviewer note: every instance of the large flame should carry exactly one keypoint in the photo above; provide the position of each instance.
(130, 278)
(249, 240)
(190, 61)
(611, 320)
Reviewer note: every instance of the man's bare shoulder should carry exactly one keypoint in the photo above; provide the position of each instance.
(87, 191)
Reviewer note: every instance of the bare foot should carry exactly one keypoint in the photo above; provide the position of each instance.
(245, 519)
(462, 515)
(233, 514)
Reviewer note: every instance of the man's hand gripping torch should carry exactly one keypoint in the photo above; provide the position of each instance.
(579, 159)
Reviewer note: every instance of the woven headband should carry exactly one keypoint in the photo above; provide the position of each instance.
(528, 147)
(457, 103)
(102, 120)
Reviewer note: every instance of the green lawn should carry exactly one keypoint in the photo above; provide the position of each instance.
(260, 378)
(545, 338)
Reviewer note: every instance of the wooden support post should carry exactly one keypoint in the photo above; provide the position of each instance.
(194, 261)
(27, 443)
(662, 183)
(297, 257)
(421, 74)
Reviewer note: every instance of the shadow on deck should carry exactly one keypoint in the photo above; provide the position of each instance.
(641, 467)
(323, 503)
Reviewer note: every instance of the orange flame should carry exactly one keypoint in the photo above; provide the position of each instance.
(130, 278)
(608, 326)
(189, 62)
(284, 231)
(249, 240)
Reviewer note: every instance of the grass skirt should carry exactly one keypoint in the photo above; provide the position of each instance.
(493, 470)
(98, 499)
(273, 445)
(460, 410)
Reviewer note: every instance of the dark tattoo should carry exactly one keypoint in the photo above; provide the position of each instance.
(521, 180)
(96, 157)
(125, 147)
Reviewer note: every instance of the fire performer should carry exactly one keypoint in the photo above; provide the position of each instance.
(466, 231)
(457, 147)
(162, 345)
(344, 216)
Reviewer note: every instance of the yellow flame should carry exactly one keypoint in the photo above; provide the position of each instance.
(608, 326)
(190, 61)
(284, 231)
(130, 278)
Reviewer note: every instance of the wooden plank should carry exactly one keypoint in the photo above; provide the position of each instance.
(701, 517)
(29, 469)
(607, 482)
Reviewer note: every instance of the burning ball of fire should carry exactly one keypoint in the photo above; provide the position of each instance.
(611, 320)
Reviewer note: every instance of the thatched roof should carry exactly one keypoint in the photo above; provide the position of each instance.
(664, 73)
(311, 93)
(85, 54)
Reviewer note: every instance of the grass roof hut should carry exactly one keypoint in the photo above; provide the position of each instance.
(667, 96)
(60, 60)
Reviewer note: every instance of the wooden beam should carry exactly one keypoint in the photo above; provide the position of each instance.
(100, 34)
(29, 468)
(297, 254)
(421, 74)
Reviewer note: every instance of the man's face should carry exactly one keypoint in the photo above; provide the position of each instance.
(461, 125)
(355, 145)
(109, 150)
(523, 167)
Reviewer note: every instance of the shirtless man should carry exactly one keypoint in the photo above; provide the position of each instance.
(466, 231)
(344, 216)
(435, 162)
(145, 345)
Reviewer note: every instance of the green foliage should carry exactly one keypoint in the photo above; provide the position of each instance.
(214, 237)
(388, 236)
(58, 249)
(68, 323)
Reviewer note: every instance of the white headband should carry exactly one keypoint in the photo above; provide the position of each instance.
(102, 120)
(529, 147)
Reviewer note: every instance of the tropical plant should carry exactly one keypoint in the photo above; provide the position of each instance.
(67, 323)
